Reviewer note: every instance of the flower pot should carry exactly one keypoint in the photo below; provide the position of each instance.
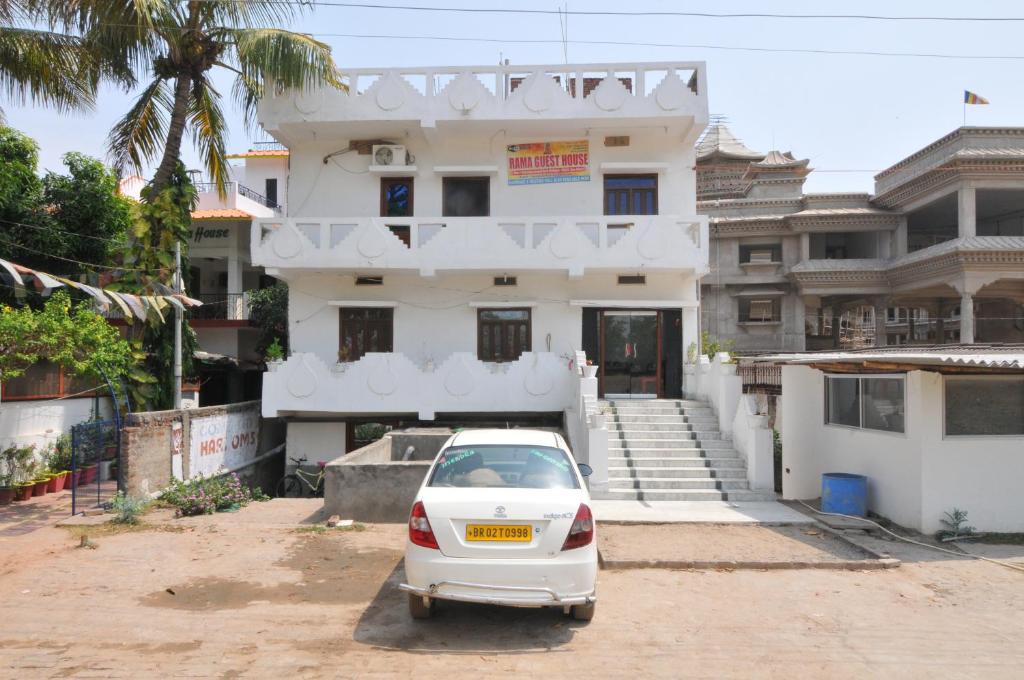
(59, 481)
(88, 475)
(6, 495)
(23, 492)
(589, 371)
(39, 487)
(51, 486)
(104, 472)
(73, 478)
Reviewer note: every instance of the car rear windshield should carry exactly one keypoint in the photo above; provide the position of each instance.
(510, 466)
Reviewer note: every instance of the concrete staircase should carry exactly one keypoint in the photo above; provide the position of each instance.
(671, 450)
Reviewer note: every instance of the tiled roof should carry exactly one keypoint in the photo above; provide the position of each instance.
(221, 214)
(260, 153)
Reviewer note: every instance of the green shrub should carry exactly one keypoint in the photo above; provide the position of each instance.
(128, 508)
(206, 495)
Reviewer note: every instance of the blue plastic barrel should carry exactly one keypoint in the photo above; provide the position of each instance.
(844, 494)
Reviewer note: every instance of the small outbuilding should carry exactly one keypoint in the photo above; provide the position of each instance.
(932, 428)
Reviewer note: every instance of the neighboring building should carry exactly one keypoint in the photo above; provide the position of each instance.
(793, 271)
(221, 273)
(932, 429)
(456, 235)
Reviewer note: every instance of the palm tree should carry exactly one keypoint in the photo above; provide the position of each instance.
(180, 44)
(48, 67)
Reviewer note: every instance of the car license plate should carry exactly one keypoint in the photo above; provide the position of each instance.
(499, 532)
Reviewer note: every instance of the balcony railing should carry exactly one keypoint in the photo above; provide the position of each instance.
(538, 382)
(240, 189)
(222, 306)
(431, 244)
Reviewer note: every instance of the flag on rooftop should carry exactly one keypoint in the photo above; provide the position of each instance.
(972, 98)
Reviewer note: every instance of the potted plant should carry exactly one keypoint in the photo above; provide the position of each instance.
(274, 355)
(590, 369)
(23, 491)
(8, 473)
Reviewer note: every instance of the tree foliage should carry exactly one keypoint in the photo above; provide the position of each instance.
(73, 336)
(268, 311)
(49, 222)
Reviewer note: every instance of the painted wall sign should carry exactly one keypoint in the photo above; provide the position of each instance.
(223, 443)
(543, 162)
(207, 234)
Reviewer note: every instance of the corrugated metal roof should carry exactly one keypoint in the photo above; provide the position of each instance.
(1009, 357)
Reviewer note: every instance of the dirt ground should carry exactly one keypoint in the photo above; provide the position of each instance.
(250, 595)
(717, 542)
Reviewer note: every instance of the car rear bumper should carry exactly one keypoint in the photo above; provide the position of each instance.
(567, 579)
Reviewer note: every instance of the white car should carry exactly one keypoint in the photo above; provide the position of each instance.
(503, 517)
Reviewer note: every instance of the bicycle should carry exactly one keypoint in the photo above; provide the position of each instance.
(291, 485)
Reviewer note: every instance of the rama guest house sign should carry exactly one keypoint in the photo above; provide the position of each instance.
(223, 442)
(549, 162)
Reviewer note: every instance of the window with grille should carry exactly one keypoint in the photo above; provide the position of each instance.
(630, 194)
(502, 334)
(365, 329)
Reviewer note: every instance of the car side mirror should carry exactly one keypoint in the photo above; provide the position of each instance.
(585, 469)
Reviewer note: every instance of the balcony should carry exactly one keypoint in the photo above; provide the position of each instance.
(432, 244)
(384, 101)
(222, 307)
(239, 197)
(391, 383)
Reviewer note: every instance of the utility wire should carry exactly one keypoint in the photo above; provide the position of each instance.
(79, 262)
(621, 43)
(631, 13)
(624, 43)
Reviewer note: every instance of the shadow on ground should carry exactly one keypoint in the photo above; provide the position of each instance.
(459, 627)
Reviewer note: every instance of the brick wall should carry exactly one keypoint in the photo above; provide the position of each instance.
(146, 447)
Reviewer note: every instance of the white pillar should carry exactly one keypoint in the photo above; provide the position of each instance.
(805, 247)
(799, 343)
(966, 214)
(966, 319)
(900, 238)
(234, 304)
(691, 331)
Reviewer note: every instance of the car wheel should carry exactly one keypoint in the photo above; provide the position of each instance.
(583, 612)
(417, 608)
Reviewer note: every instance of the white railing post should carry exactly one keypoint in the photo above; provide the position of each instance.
(752, 438)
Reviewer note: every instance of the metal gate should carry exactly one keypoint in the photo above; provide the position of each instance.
(96, 471)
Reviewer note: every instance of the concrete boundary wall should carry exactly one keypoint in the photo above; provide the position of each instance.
(149, 443)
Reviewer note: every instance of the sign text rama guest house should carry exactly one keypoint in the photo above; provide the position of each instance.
(543, 162)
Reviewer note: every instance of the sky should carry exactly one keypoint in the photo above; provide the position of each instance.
(851, 115)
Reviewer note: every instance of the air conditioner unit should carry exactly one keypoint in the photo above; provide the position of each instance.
(389, 154)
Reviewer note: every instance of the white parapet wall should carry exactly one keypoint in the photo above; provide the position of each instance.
(537, 382)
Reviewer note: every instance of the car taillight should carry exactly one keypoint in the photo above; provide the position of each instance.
(582, 531)
(420, 532)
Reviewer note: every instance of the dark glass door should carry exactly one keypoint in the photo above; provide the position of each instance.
(630, 356)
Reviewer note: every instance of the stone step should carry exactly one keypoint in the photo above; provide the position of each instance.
(648, 483)
(693, 495)
(680, 426)
(650, 434)
(655, 402)
(712, 444)
(619, 472)
(615, 442)
(661, 418)
(668, 452)
(704, 412)
(649, 459)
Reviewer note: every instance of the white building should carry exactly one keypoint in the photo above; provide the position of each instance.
(932, 429)
(221, 274)
(455, 236)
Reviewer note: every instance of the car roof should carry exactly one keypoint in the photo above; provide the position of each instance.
(496, 436)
